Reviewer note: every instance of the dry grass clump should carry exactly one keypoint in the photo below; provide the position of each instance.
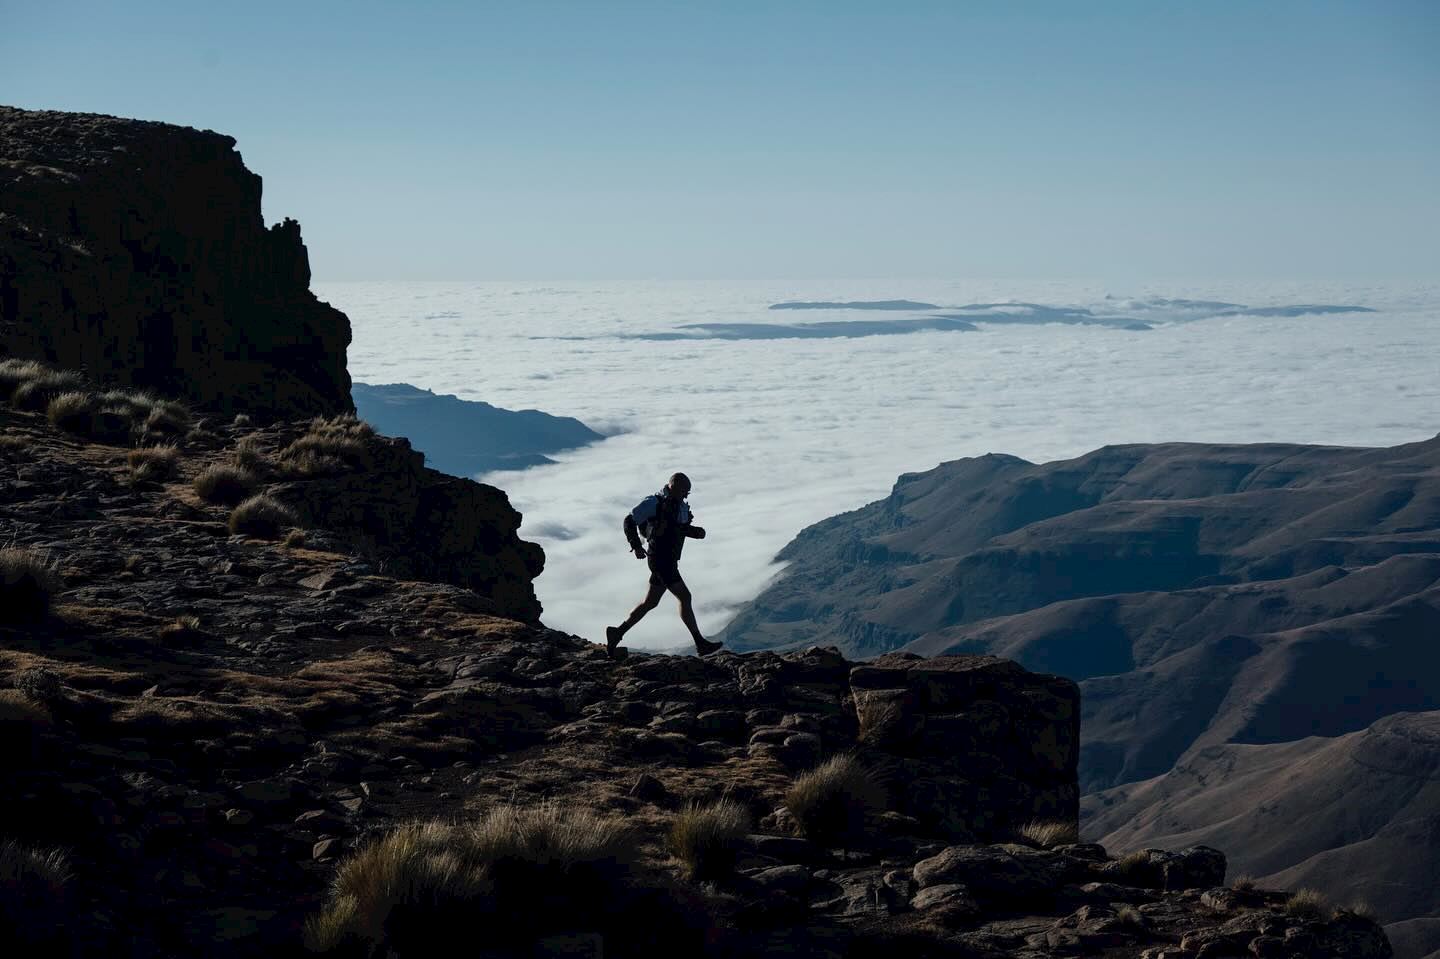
(153, 462)
(34, 394)
(1047, 834)
(707, 839)
(39, 684)
(223, 483)
(295, 538)
(73, 412)
(1131, 917)
(32, 896)
(330, 446)
(830, 801)
(262, 517)
(167, 417)
(134, 404)
(112, 416)
(1243, 884)
(414, 889)
(1361, 909)
(14, 372)
(184, 629)
(28, 582)
(84, 414)
(242, 421)
(249, 455)
(1307, 904)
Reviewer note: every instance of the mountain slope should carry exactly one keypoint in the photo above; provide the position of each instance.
(1351, 815)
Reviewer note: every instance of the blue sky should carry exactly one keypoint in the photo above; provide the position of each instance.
(792, 140)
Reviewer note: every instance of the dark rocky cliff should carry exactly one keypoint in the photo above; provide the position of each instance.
(137, 251)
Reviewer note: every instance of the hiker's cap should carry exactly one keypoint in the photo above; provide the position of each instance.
(679, 481)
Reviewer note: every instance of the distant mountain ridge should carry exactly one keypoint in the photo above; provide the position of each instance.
(854, 305)
(467, 437)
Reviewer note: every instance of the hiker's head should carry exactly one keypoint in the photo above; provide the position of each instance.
(679, 485)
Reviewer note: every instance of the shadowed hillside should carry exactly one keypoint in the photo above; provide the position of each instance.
(1354, 816)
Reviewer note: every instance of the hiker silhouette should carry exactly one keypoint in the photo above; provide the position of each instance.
(665, 520)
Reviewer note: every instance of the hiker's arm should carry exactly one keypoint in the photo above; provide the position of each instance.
(632, 535)
(695, 532)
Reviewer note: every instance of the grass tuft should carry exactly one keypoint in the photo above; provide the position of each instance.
(249, 455)
(423, 882)
(1243, 884)
(153, 462)
(36, 393)
(830, 801)
(1047, 834)
(223, 483)
(262, 517)
(707, 839)
(183, 629)
(15, 372)
(28, 583)
(32, 897)
(1360, 908)
(168, 417)
(1307, 904)
(295, 538)
(1132, 918)
(73, 412)
(330, 446)
(39, 685)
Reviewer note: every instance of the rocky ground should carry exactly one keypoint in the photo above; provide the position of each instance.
(207, 724)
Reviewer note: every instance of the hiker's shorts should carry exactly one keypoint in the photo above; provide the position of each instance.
(664, 572)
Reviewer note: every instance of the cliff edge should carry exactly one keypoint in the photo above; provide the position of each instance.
(137, 251)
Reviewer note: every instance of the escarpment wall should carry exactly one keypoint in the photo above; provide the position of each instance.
(413, 522)
(137, 251)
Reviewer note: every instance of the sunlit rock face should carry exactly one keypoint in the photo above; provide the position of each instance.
(137, 251)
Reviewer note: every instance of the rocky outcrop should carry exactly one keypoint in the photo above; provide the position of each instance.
(137, 251)
(413, 522)
(980, 747)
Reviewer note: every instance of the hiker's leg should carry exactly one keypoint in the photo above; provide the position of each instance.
(687, 610)
(651, 600)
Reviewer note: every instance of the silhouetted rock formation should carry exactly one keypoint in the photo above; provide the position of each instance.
(465, 437)
(137, 251)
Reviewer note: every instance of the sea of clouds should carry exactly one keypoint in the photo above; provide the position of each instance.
(779, 433)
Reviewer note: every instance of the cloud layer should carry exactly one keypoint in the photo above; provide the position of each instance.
(779, 433)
